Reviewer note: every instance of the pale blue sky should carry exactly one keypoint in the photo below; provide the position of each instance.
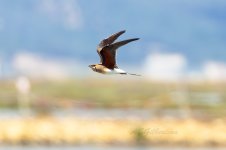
(71, 29)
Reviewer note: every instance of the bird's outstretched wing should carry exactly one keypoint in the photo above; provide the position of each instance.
(121, 43)
(107, 42)
(108, 53)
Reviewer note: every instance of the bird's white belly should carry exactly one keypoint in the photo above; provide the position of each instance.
(114, 71)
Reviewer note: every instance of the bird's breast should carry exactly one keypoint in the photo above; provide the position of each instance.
(108, 71)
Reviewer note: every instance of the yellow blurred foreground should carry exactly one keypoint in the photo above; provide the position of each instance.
(50, 130)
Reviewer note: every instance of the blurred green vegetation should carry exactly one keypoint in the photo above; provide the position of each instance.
(139, 135)
(120, 93)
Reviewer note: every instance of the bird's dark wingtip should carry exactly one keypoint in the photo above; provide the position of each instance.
(134, 39)
(122, 31)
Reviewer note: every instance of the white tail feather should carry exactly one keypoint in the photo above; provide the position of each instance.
(134, 74)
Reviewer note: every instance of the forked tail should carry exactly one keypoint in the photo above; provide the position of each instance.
(133, 74)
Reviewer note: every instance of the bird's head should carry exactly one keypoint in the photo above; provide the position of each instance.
(93, 67)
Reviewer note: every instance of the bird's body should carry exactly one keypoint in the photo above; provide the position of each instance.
(102, 69)
(107, 52)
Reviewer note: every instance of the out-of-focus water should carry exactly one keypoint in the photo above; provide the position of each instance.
(101, 148)
(102, 113)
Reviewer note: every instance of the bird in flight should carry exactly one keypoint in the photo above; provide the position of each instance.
(107, 52)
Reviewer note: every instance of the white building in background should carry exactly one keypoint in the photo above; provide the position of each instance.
(23, 87)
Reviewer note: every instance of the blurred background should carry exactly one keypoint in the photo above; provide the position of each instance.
(50, 98)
